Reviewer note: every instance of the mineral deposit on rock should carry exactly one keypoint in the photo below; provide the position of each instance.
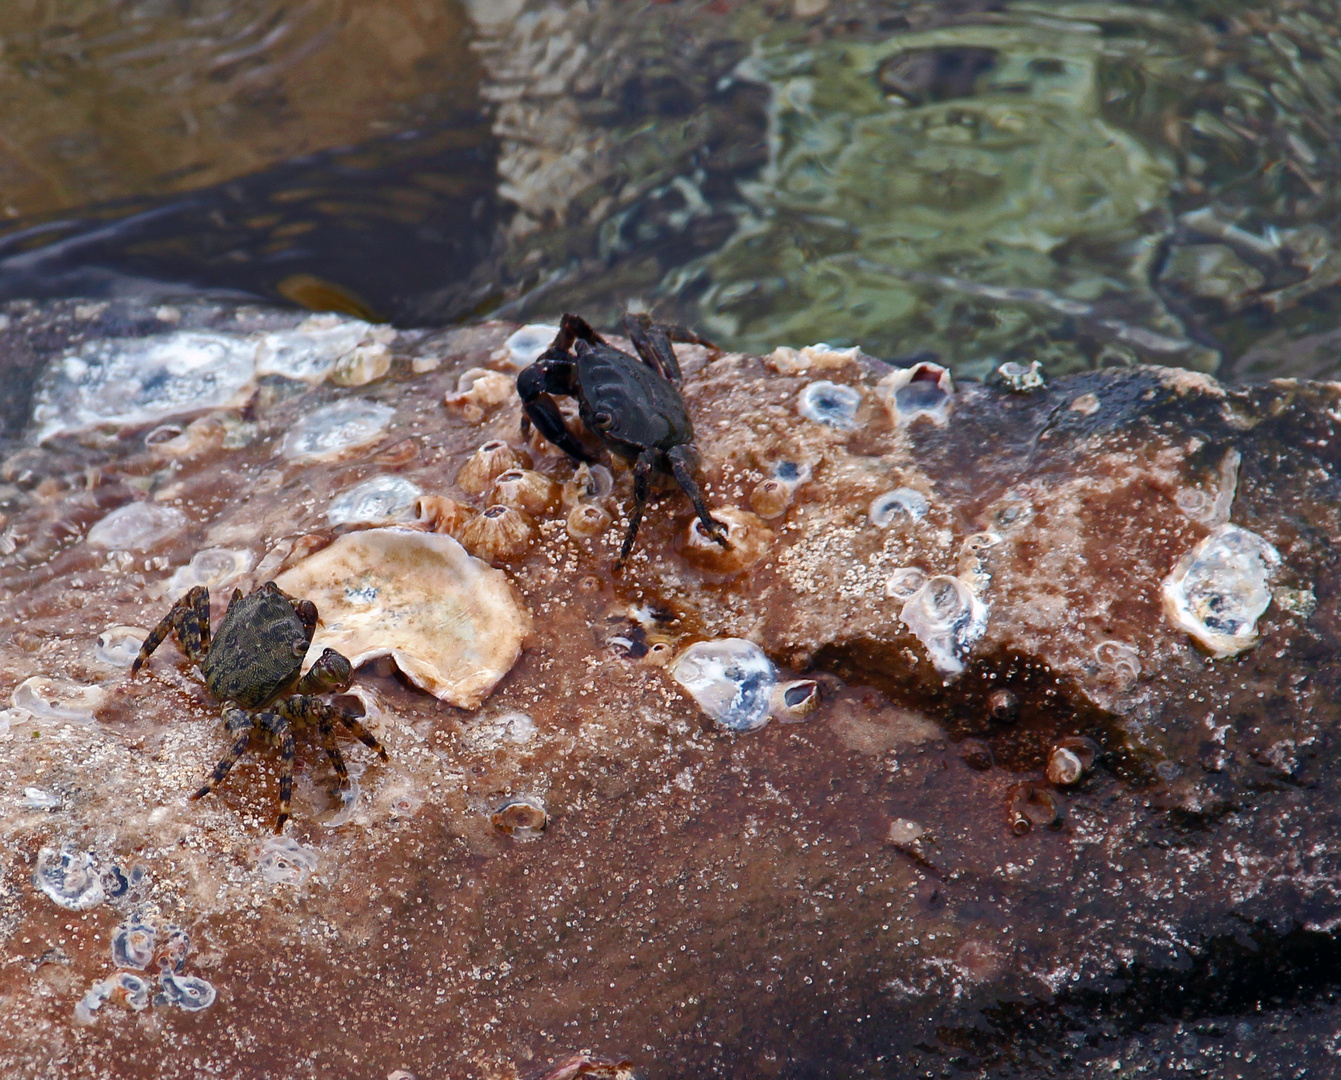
(840, 895)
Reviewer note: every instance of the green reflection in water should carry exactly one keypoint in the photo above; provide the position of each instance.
(912, 180)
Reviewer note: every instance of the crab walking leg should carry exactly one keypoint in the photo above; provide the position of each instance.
(327, 730)
(281, 730)
(200, 609)
(679, 461)
(239, 724)
(190, 618)
(309, 711)
(641, 469)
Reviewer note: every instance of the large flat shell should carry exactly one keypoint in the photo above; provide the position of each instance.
(453, 624)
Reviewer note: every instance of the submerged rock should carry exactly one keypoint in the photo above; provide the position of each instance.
(1091, 802)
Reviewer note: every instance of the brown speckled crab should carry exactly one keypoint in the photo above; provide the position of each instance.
(253, 666)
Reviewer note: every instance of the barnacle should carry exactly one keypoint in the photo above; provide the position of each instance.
(1070, 759)
(484, 466)
(748, 540)
(829, 403)
(587, 520)
(1027, 806)
(898, 508)
(58, 699)
(477, 391)
(526, 490)
(773, 496)
(499, 534)
(284, 861)
(923, 390)
(947, 617)
(793, 701)
(522, 818)
(133, 945)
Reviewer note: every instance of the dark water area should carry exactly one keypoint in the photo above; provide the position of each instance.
(1082, 184)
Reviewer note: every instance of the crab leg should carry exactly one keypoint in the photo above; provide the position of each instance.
(190, 618)
(238, 723)
(679, 461)
(281, 730)
(307, 711)
(642, 468)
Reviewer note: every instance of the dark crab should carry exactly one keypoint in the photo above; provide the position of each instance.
(632, 403)
(253, 666)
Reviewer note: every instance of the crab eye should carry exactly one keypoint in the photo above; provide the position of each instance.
(299, 646)
(604, 420)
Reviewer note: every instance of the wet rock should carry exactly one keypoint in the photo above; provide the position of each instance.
(907, 847)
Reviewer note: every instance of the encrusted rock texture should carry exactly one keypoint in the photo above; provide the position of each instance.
(848, 894)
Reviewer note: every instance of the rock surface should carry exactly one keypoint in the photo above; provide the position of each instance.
(888, 886)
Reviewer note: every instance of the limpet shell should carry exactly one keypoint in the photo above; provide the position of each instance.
(453, 624)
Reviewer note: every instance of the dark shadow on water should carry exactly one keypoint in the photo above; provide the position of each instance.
(387, 230)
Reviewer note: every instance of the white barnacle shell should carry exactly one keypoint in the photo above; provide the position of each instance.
(119, 645)
(453, 624)
(141, 380)
(188, 992)
(947, 617)
(133, 945)
(311, 351)
(58, 699)
(330, 432)
(377, 500)
(69, 877)
(215, 568)
(477, 391)
(284, 861)
(900, 507)
(923, 390)
(904, 582)
(137, 526)
(522, 818)
(1021, 378)
(1220, 588)
(833, 404)
(731, 679)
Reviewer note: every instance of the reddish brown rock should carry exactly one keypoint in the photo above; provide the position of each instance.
(840, 896)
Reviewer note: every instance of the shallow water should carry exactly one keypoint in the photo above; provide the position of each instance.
(1079, 184)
